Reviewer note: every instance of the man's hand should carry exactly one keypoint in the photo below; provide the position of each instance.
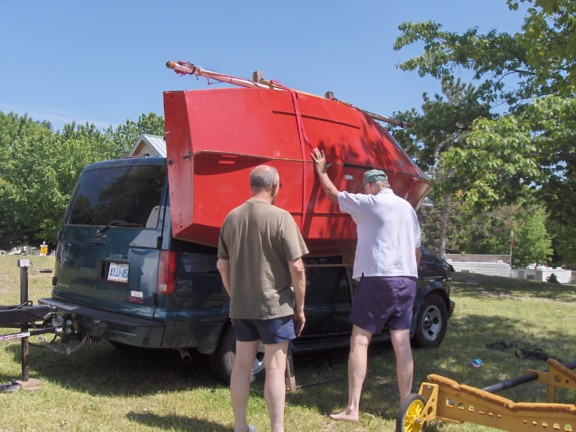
(299, 321)
(319, 161)
(321, 168)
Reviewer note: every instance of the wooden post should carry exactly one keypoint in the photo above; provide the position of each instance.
(24, 264)
(290, 373)
(26, 383)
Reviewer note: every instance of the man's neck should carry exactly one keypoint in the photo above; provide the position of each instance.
(263, 196)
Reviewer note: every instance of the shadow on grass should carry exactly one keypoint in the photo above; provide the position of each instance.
(102, 369)
(321, 377)
(175, 422)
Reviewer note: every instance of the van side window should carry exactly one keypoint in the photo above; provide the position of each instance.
(119, 193)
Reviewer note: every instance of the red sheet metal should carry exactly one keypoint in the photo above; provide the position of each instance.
(215, 137)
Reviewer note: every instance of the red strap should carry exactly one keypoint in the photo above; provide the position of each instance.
(301, 131)
(303, 138)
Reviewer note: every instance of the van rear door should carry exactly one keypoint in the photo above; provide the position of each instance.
(109, 246)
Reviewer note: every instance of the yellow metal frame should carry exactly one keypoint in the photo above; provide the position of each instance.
(446, 400)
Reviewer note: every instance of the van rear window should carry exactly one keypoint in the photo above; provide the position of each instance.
(130, 194)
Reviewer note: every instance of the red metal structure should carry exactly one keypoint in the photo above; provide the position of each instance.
(215, 137)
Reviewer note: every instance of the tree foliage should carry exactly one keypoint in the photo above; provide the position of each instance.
(532, 244)
(521, 142)
(538, 61)
(39, 168)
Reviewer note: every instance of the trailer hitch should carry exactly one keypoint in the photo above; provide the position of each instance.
(31, 320)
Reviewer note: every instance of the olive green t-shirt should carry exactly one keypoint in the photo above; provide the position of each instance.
(259, 239)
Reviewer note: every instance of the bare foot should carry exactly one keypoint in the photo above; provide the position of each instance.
(345, 415)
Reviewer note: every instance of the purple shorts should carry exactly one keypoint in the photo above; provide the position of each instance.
(383, 301)
(269, 331)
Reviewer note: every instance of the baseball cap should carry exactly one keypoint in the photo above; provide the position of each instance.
(374, 175)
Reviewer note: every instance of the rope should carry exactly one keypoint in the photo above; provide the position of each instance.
(304, 143)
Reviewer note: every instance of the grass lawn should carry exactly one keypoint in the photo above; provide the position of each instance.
(99, 388)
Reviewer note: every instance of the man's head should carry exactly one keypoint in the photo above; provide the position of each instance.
(265, 179)
(374, 181)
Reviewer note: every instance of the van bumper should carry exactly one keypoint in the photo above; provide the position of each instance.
(185, 329)
(120, 328)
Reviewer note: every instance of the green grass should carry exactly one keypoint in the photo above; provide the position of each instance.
(98, 388)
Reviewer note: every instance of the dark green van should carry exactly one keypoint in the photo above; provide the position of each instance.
(120, 276)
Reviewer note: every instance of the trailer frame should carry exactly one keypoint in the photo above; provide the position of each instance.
(31, 320)
(444, 399)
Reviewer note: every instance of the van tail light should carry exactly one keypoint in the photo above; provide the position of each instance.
(166, 273)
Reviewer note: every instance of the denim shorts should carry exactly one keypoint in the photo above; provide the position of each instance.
(383, 301)
(269, 331)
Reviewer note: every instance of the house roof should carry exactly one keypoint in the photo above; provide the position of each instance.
(151, 145)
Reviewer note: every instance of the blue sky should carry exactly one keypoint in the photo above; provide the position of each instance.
(103, 62)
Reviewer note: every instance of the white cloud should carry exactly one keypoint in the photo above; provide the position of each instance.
(57, 118)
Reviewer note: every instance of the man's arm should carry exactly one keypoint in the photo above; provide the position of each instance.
(223, 267)
(418, 256)
(321, 168)
(298, 275)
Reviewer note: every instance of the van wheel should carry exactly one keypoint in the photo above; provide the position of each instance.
(431, 323)
(222, 360)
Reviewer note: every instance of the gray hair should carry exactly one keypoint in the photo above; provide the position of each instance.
(263, 177)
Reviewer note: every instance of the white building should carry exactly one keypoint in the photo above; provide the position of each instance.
(149, 145)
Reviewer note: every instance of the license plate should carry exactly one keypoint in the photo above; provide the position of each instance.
(118, 272)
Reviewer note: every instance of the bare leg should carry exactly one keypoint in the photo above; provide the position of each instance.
(357, 366)
(240, 382)
(404, 361)
(275, 386)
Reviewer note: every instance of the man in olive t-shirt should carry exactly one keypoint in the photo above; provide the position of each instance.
(260, 261)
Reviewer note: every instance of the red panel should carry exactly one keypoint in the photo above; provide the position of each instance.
(215, 137)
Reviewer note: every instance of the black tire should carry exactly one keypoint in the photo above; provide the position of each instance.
(410, 410)
(431, 323)
(222, 360)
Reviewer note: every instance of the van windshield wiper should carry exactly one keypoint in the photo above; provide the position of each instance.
(116, 222)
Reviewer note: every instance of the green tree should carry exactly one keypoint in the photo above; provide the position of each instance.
(532, 243)
(23, 146)
(445, 122)
(39, 168)
(538, 61)
(530, 148)
(549, 43)
(563, 244)
(126, 135)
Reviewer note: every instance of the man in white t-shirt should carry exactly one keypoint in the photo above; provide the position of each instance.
(388, 251)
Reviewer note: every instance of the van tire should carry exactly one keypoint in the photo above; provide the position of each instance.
(222, 360)
(432, 322)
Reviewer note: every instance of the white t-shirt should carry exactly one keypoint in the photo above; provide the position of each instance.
(388, 233)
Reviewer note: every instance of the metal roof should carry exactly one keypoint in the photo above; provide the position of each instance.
(151, 145)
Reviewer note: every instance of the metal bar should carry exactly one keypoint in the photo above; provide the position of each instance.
(523, 379)
(11, 336)
(33, 332)
(14, 316)
(24, 265)
(191, 69)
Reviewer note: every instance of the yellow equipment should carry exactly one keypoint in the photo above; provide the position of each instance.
(444, 399)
